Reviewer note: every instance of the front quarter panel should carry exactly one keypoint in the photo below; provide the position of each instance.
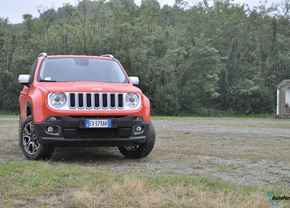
(146, 108)
(36, 98)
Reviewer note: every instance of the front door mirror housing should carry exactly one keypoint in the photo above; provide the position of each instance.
(24, 79)
(134, 80)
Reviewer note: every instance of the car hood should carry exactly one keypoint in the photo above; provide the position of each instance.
(88, 87)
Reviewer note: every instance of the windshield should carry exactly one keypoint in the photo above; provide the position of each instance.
(81, 70)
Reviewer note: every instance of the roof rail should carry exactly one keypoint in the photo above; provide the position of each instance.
(108, 55)
(42, 54)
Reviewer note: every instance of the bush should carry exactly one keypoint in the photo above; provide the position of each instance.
(165, 100)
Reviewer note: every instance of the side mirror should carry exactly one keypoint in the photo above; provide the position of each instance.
(24, 79)
(134, 80)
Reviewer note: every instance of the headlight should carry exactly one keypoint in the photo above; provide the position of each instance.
(57, 99)
(132, 100)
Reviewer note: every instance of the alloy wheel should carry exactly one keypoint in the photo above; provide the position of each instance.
(30, 142)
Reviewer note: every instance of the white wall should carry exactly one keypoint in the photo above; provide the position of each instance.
(278, 92)
(287, 96)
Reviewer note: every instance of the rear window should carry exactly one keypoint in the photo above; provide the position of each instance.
(81, 70)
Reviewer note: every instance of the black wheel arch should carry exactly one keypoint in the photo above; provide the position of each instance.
(29, 109)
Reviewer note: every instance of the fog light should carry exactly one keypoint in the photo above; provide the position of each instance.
(50, 129)
(138, 129)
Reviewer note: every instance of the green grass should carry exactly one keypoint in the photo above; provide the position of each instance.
(259, 117)
(8, 116)
(255, 125)
(4, 114)
(50, 184)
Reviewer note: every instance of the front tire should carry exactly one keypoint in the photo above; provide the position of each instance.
(29, 143)
(142, 150)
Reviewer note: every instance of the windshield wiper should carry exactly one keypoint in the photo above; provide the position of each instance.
(44, 80)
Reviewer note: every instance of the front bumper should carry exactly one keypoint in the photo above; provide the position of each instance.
(72, 131)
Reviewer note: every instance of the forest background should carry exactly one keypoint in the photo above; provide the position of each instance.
(204, 60)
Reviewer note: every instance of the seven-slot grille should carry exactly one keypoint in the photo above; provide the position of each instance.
(96, 100)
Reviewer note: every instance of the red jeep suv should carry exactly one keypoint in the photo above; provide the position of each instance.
(72, 100)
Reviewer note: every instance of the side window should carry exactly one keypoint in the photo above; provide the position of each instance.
(32, 70)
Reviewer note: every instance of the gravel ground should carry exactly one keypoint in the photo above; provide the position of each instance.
(248, 152)
(266, 162)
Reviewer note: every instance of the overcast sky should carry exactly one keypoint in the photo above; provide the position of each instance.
(14, 9)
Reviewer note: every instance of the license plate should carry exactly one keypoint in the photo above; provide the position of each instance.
(98, 123)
